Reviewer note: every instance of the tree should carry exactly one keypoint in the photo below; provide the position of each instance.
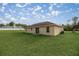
(72, 26)
(11, 24)
(1, 25)
(78, 26)
(67, 27)
(75, 22)
(22, 25)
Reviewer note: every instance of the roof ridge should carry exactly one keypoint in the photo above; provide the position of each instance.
(43, 22)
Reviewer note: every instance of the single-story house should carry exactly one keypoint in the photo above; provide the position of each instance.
(45, 28)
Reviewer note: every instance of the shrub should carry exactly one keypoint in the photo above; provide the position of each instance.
(62, 32)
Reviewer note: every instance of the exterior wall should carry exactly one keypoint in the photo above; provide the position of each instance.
(57, 30)
(33, 31)
(43, 30)
(29, 30)
(53, 30)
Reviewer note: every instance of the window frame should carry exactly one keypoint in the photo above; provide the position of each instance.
(47, 29)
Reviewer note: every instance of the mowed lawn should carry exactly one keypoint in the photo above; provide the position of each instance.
(20, 43)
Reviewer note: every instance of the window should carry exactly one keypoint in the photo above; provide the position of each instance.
(47, 29)
(31, 29)
(37, 30)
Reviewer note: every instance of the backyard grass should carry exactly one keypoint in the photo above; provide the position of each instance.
(20, 43)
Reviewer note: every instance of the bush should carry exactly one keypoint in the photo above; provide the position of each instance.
(62, 32)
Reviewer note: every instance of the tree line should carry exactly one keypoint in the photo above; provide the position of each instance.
(13, 24)
(74, 26)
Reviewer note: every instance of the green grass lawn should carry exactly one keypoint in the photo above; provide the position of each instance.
(19, 43)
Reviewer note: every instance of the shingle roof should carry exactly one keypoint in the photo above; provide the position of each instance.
(45, 23)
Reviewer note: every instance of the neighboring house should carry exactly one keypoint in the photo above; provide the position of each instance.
(11, 28)
(45, 28)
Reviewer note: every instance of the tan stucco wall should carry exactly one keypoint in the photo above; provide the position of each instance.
(57, 30)
(29, 30)
(42, 30)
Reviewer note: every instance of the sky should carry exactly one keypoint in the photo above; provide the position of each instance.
(31, 13)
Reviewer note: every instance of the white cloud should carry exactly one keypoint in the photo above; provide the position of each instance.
(43, 16)
(58, 6)
(61, 4)
(19, 5)
(48, 14)
(2, 21)
(27, 13)
(21, 13)
(37, 8)
(55, 13)
(14, 11)
(2, 9)
(34, 13)
(13, 19)
(0, 18)
(51, 7)
(37, 16)
(69, 10)
(23, 18)
(30, 9)
(77, 8)
(4, 4)
(7, 15)
(10, 10)
(42, 11)
(54, 3)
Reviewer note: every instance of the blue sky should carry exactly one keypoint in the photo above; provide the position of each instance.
(30, 13)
